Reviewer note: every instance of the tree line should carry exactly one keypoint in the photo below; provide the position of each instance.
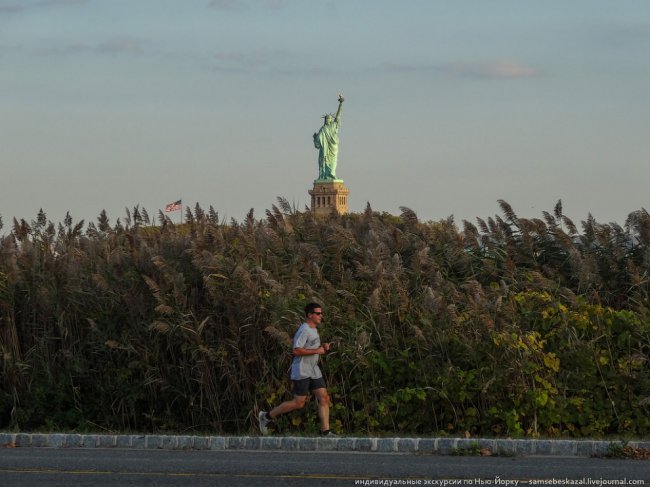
(507, 326)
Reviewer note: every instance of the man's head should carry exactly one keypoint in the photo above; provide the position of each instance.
(314, 314)
(312, 308)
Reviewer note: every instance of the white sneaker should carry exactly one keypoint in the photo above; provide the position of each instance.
(263, 422)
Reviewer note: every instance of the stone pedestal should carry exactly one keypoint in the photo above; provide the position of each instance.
(329, 195)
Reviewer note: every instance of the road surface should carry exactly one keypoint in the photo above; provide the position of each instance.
(30, 467)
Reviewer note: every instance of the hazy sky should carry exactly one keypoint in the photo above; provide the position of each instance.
(450, 105)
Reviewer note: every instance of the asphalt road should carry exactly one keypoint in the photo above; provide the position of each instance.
(22, 467)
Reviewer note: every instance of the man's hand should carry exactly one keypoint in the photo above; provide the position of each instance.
(326, 346)
(322, 350)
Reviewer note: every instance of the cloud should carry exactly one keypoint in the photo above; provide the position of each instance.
(233, 5)
(18, 7)
(239, 61)
(280, 62)
(258, 61)
(487, 70)
(275, 4)
(113, 46)
(11, 8)
(227, 4)
(117, 46)
(625, 36)
(409, 68)
(495, 69)
(46, 3)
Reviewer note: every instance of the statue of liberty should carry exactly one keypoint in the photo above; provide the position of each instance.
(327, 143)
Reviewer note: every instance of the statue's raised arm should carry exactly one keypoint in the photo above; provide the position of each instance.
(338, 112)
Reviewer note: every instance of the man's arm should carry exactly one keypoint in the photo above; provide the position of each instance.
(297, 352)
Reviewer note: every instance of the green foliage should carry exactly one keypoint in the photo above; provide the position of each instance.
(515, 327)
(473, 450)
(619, 450)
(622, 450)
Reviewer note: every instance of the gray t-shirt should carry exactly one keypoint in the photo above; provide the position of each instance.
(306, 366)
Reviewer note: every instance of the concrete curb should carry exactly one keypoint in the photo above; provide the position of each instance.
(441, 446)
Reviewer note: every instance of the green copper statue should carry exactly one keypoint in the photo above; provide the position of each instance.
(327, 143)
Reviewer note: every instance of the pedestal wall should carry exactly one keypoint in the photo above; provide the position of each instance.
(328, 195)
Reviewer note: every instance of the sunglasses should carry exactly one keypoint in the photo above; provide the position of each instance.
(319, 313)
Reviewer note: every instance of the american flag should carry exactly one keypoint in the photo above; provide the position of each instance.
(176, 205)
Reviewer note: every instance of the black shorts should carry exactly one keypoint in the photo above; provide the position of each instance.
(300, 387)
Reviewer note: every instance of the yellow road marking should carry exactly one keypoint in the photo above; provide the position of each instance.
(178, 474)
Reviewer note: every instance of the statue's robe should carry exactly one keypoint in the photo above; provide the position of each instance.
(327, 143)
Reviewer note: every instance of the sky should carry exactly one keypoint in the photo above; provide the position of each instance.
(449, 106)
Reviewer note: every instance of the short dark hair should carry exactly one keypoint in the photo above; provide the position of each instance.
(311, 307)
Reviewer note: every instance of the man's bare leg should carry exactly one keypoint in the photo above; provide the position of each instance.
(298, 402)
(323, 400)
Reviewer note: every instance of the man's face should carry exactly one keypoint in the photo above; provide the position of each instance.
(316, 316)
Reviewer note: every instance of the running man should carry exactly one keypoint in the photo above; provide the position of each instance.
(305, 373)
